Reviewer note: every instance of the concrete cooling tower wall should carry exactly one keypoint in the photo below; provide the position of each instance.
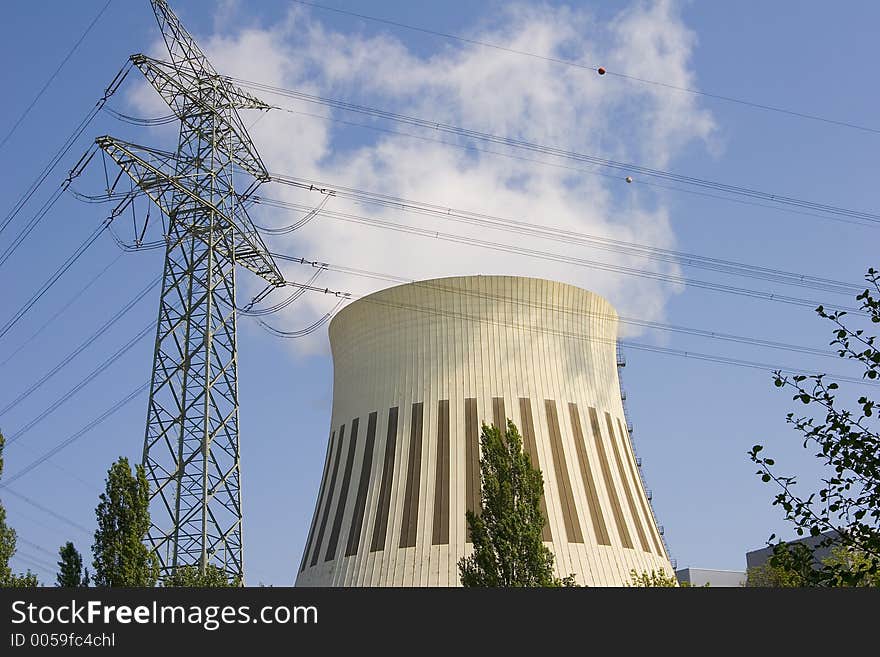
(417, 369)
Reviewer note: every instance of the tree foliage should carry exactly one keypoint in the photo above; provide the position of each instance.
(120, 556)
(653, 579)
(7, 546)
(847, 504)
(27, 580)
(7, 534)
(790, 566)
(506, 534)
(192, 576)
(851, 560)
(793, 565)
(70, 569)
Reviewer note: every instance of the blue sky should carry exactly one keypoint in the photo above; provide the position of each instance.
(694, 421)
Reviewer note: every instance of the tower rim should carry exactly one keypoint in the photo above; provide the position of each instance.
(427, 282)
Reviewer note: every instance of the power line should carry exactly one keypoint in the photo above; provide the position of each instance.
(60, 468)
(60, 311)
(281, 305)
(141, 122)
(33, 519)
(5, 486)
(724, 360)
(470, 147)
(632, 321)
(7, 489)
(558, 257)
(699, 183)
(149, 329)
(562, 235)
(134, 394)
(34, 562)
(36, 546)
(44, 458)
(301, 333)
(558, 165)
(83, 346)
(32, 223)
(58, 273)
(54, 74)
(286, 230)
(593, 68)
(65, 147)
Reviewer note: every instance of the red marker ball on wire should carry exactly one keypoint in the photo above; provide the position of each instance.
(601, 70)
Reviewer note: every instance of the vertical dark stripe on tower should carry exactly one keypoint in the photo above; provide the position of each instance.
(587, 476)
(360, 503)
(627, 488)
(343, 494)
(609, 482)
(531, 447)
(440, 534)
(381, 526)
(569, 511)
(498, 417)
(472, 458)
(321, 492)
(640, 494)
(410, 524)
(329, 502)
(627, 485)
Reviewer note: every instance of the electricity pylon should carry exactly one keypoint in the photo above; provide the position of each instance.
(191, 448)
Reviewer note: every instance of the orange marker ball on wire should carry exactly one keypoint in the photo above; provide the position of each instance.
(601, 70)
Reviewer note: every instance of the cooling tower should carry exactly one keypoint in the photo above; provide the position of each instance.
(417, 369)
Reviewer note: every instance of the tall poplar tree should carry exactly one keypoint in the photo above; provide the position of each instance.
(506, 535)
(120, 556)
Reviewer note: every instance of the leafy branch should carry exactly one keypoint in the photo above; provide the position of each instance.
(846, 508)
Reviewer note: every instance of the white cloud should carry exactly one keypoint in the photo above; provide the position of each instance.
(487, 90)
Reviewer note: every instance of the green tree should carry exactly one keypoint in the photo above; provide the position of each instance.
(70, 568)
(7, 546)
(847, 505)
(7, 534)
(653, 579)
(24, 581)
(192, 576)
(506, 535)
(852, 561)
(793, 565)
(790, 566)
(120, 556)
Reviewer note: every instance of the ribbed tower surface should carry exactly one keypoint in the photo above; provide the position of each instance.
(417, 369)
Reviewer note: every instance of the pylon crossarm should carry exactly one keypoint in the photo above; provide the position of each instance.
(192, 98)
(165, 77)
(256, 258)
(241, 99)
(163, 189)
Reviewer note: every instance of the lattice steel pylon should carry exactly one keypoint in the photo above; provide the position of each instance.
(191, 447)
